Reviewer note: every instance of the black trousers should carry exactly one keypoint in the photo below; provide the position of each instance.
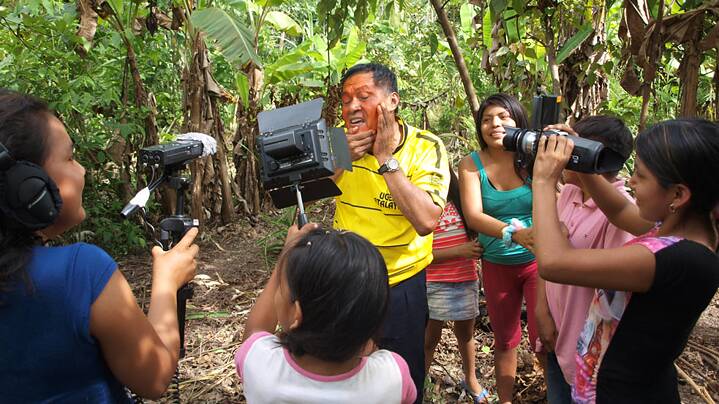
(403, 328)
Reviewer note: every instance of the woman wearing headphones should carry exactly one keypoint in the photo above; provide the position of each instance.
(69, 324)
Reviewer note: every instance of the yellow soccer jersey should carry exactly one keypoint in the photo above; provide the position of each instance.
(366, 206)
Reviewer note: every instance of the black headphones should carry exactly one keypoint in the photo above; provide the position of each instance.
(27, 194)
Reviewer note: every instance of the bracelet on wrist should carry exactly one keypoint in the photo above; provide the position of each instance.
(509, 230)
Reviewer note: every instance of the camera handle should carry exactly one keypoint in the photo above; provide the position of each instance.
(172, 229)
(301, 217)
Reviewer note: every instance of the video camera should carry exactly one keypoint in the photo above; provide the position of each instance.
(588, 156)
(298, 152)
(166, 161)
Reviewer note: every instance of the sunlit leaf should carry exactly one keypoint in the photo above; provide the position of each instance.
(487, 29)
(288, 58)
(466, 16)
(269, 3)
(283, 22)
(354, 50)
(287, 72)
(243, 88)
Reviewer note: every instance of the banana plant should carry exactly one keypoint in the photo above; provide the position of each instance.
(310, 61)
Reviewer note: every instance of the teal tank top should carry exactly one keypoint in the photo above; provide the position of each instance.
(504, 205)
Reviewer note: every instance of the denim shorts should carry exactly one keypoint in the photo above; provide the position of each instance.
(453, 301)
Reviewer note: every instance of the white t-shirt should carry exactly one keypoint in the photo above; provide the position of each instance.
(269, 374)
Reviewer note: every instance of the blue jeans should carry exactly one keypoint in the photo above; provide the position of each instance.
(558, 390)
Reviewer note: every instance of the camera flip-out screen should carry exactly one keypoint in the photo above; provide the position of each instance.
(297, 148)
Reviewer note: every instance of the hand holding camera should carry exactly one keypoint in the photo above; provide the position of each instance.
(295, 233)
(562, 127)
(177, 266)
(553, 154)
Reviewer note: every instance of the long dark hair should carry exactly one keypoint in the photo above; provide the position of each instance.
(518, 114)
(506, 101)
(685, 151)
(340, 280)
(23, 131)
(454, 197)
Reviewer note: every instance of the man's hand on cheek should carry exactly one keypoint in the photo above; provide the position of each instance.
(360, 142)
(388, 137)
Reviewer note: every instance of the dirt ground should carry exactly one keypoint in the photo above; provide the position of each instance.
(235, 262)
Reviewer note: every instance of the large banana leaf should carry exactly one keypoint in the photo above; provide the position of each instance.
(289, 65)
(234, 39)
(354, 50)
(573, 43)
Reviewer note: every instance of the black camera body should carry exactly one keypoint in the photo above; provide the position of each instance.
(297, 153)
(588, 156)
(170, 154)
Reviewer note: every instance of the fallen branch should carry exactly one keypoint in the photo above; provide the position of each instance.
(714, 355)
(699, 390)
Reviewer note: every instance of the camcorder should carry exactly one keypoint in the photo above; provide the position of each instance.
(166, 161)
(588, 156)
(298, 154)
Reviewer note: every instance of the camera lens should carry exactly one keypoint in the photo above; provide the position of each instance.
(509, 141)
(527, 143)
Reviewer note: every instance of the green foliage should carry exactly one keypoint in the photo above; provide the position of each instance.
(302, 47)
(274, 240)
(235, 40)
(37, 56)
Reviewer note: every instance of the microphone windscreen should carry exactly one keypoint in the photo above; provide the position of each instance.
(209, 144)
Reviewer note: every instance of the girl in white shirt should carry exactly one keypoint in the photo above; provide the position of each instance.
(329, 294)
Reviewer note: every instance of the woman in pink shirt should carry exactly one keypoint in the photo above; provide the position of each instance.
(562, 310)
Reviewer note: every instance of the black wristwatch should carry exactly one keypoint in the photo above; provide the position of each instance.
(389, 166)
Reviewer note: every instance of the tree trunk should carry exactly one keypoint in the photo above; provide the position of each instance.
(646, 92)
(332, 103)
(209, 193)
(716, 87)
(247, 178)
(550, 46)
(141, 97)
(689, 70)
(457, 55)
(649, 64)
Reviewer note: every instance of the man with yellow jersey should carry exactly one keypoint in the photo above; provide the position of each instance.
(394, 197)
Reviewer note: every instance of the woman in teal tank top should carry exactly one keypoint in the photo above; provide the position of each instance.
(497, 202)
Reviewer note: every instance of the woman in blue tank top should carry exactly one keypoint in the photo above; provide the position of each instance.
(497, 202)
